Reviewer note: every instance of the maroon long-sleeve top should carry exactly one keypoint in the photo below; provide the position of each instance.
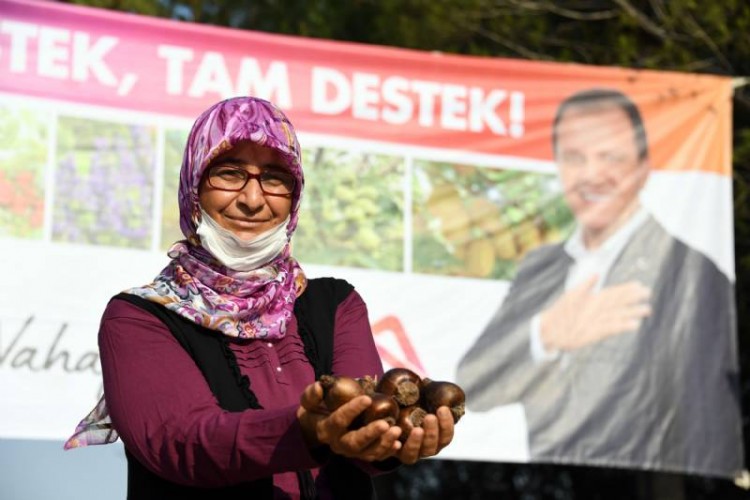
(170, 420)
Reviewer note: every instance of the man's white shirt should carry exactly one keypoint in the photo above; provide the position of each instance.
(587, 263)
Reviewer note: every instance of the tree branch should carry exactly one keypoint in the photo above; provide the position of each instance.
(553, 8)
(699, 33)
(658, 7)
(643, 20)
(519, 49)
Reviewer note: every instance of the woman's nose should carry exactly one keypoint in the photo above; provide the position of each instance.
(252, 195)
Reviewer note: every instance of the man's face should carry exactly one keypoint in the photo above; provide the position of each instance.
(599, 168)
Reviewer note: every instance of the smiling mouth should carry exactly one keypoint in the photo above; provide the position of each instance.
(246, 222)
(594, 197)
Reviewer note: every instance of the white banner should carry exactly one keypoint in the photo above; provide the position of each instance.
(434, 184)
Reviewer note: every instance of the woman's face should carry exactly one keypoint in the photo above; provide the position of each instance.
(249, 212)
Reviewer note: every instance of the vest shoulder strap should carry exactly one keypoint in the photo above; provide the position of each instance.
(316, 310)
(211, 353)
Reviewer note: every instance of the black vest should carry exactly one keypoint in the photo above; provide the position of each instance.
(315, 311)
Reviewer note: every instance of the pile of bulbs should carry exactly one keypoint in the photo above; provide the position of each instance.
(400, 397)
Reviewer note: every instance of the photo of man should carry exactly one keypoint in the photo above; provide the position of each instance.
(620, 341)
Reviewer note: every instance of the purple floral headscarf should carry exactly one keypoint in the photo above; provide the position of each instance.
(247, 304)
(243, 304)
(216, 131)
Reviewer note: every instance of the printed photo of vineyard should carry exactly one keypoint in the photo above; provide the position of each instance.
(86, 180)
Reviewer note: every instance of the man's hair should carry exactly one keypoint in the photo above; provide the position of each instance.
(595, 99)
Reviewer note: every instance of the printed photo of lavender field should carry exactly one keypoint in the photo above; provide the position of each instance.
(478, 222)
(104, 183)
(24, 138)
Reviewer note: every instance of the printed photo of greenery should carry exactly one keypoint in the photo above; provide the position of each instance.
(479, 222)
(352, 210)
(467, 220)
(174, 145)
(104, 183)
(24, 134)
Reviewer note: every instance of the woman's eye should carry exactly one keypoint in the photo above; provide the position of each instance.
(278, 178)
(229, 173)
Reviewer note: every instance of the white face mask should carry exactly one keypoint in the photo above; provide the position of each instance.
(239, 254)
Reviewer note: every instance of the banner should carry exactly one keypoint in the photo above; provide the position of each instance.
(557, 238)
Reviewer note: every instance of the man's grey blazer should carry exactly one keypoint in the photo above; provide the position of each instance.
(663, 397)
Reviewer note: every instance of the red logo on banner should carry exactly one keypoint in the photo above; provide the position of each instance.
(390, 326)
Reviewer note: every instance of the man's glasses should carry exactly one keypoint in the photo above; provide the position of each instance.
(273, 182)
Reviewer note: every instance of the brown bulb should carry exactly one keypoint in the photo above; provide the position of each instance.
(368, 383)
(401, 383)
(409, 418)
(437, 394)
(383, 407)
(338, 391)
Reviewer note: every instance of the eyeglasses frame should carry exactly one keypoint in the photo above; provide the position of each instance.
(249, 178)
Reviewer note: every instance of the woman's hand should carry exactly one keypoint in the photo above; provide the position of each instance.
(375, 441)
(435, 434)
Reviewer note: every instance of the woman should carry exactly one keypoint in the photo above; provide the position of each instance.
(209, 371)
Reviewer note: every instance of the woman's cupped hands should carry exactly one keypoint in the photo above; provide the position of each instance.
(375, 441)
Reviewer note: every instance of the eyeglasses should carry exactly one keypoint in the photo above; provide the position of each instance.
(273, 182)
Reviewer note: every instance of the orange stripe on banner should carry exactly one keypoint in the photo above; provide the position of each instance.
(488, 106)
